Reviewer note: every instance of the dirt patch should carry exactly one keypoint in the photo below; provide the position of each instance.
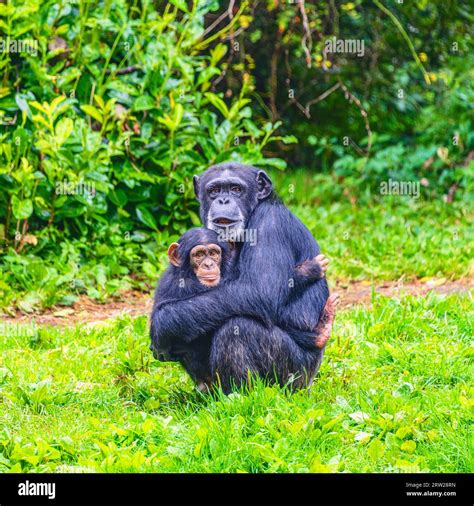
(85, 310)
(135, 303)
(360, 292)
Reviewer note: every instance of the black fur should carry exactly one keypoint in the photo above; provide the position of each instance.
(178, 284)
(247, 317)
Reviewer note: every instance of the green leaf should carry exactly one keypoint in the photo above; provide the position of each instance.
(144, 103)
(118, 197)
(218, 53)
(23, 104)
(99, 101)
(93, 112)
(148, 425)
(180, 4)
(22, 209)
(376, 450)
(30, 302)
(238, 106)
(178, 116)
(403, 432)
(218, 103)
(196, 221)
(206, 75)
(63, 130)
(278, 163)
(38, 106)
(408, 446)
(167, 121)
(146, 217)
(289, 139)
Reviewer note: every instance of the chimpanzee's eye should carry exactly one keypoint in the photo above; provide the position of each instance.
(236, 188)
(213, 253)
(213, 191)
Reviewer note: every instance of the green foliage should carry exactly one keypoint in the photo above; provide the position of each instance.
(411, 85)
(382, 237)
(428, 166)
(366, 235)
(103, 127)
(359, 233)
(394, 394)
(109, 108)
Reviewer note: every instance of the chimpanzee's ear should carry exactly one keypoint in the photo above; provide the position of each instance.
(196, 186)
(264, 185)
(173, 254)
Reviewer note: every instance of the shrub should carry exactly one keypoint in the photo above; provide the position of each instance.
(107, 112)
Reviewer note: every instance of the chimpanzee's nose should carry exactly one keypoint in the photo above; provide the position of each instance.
(223, 200)
(207, 264)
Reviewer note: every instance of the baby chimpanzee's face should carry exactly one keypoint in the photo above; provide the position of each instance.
(205, 260)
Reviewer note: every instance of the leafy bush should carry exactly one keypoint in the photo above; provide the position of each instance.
(430, 166)
(411, 84)
(104, 124)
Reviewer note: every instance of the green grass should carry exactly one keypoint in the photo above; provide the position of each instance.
(394, 394)
(382, 237)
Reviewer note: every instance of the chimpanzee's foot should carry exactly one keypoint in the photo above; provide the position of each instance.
(323, 261)
(324, 326)
(202, 387)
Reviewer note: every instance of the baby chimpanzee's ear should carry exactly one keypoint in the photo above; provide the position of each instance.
(173, 254)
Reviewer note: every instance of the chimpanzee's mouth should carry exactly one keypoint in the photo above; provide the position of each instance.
(225, 222)
(209, 280)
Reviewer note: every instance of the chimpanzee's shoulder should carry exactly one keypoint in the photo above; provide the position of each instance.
(165, 284)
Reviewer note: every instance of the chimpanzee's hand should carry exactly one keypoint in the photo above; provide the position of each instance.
(313, 269)
(323, 262)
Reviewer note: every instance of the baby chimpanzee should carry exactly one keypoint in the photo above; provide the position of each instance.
(200, 261)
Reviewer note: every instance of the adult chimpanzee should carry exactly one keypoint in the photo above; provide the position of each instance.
(198, 262)
(247, 318)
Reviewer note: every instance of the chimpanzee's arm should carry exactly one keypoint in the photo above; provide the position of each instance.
(190, 318)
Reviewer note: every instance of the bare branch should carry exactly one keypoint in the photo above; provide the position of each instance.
(353, 99)
(321, 97)
(221, 18)
(306, 41)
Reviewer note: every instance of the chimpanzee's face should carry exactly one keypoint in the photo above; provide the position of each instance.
(227, 197)
(205, 260)
(228, 194)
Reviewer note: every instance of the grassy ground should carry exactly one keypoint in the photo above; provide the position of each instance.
(379, 237)
(394, 394)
